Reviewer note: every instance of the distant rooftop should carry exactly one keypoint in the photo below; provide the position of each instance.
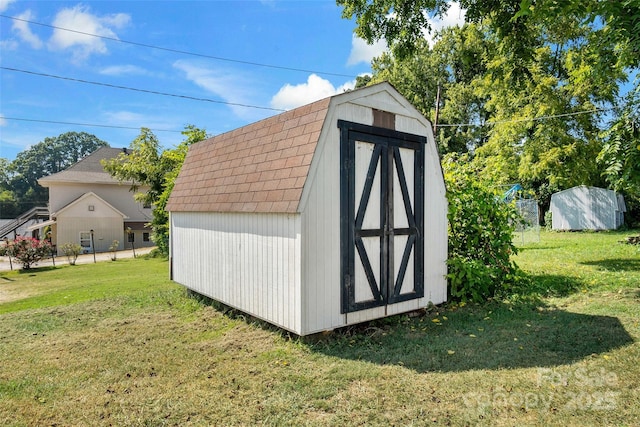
(87, 170)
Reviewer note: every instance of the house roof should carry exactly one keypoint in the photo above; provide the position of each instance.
(87, 170)
(261, 167)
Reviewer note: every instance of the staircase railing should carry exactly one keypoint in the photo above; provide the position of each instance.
(39, 212)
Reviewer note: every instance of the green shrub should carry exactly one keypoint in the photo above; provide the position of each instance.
(27, 251)
(71, 251)
(548, 221)
(481, 226)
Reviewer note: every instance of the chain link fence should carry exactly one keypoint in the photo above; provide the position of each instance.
(528, 231)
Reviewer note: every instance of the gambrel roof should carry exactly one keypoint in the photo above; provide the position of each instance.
(261, 167)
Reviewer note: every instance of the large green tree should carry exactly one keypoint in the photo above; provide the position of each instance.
(148, 165)
(403, 22)
(527, 87)
(19, 188)
(448, 71)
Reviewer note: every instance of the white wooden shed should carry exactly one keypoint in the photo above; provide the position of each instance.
(587, 208)
(324, 216)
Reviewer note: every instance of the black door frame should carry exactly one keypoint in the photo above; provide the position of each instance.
(386, 153)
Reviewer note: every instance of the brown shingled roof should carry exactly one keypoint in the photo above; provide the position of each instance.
(261, 167)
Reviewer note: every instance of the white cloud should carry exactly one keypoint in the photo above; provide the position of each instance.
(81, 20)
(24, 32)
(125, 117)
(4, 4)
(454, 17)
(9, 45)
(119, 70)
(363, 52)
(292, 96)
(117, 20)
(229, 85)
(3, 121)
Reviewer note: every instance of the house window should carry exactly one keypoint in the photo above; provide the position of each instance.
(85, 241)
(146, 205)
(92, 208)
(131, 237)
(145, 237)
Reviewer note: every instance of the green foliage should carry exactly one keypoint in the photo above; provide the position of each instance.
(402, 23)
(149, 166)
(480, 235)
(452, 67)
(140, 165)
(8, 204)
(524, 85)
(548, 220)
(71, 251)
(621, 151)
(26, 250)
(620, 154)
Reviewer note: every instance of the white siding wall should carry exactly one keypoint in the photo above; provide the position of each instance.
(105, 231)
(247, 261)
(320, 208)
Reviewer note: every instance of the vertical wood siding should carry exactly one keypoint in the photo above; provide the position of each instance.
(247, 261)
(320, 209)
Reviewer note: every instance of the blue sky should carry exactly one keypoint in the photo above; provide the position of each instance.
(305, 35)
(311, 52)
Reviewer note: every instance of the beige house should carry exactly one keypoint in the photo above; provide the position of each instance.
(85, 198)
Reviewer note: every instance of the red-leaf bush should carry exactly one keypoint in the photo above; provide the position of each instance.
(26, 250)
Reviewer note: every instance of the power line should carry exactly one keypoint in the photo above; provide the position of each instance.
(182, 52)
(193, 98)
(527, 119)
(440, 125)
(86, 124)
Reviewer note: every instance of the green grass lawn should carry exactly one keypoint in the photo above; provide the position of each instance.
(116, 343)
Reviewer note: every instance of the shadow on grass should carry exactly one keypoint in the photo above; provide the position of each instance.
(493, 336)
(34, 270)
(625, 264)
(496, 335)
(545, 285)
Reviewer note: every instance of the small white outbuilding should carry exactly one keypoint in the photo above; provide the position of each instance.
(324, 216)
(587, 208)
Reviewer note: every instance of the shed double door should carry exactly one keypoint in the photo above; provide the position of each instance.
(382, 216)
